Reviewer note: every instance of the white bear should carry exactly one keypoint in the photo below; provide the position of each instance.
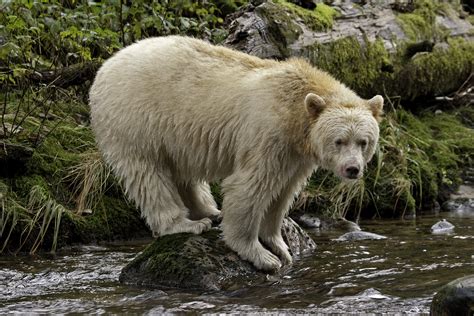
(172, 114)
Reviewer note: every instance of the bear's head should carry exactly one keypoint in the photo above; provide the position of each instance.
(344, 136)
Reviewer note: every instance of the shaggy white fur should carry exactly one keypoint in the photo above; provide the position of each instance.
(171, 114)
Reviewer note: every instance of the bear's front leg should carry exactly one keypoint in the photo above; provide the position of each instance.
(270, 227)
(247, 195)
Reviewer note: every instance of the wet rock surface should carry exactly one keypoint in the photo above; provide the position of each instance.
(359, 235)
(455, 298)
(202, 262)
(442, 227)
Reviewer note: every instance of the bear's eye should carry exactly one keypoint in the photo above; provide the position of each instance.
(363, 143)
(338, 142)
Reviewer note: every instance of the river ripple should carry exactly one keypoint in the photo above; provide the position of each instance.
(396, 275)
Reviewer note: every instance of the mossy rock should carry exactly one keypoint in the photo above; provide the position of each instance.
(202, 262)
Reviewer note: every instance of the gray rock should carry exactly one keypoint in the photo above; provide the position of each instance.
(309, 221)
(298, 241)
(202, 262)
(455, 298)
(359, 235)
(442, 227)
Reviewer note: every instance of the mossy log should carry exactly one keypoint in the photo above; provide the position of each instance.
(422, 52)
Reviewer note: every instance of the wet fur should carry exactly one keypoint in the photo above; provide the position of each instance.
(172, 114)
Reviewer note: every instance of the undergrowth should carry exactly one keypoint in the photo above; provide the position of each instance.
(54, 186)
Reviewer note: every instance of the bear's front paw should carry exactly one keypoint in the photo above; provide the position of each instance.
(278, 247)
(267, 261)
(261, 258)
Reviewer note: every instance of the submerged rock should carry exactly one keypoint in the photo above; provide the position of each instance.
(359, 235)
(455, 298)
(201, 262)
(442, 227)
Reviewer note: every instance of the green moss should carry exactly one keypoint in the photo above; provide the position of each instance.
(435, 73)
(369, 69)
(161, 264)
(319, 19)
(201, 262)
(281, 26)
(165, 260)
(470, 19)
(113, 218)
(420, 24)
(59, 143)
(455, 137)
(359, 67)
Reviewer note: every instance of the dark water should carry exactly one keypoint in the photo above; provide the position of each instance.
(397, 275)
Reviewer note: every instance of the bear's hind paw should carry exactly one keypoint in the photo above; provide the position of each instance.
(197, 227)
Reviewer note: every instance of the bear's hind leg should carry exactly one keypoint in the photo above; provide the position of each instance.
(198, 199)
(155, 192)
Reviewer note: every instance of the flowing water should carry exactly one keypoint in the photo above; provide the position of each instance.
(396, 275)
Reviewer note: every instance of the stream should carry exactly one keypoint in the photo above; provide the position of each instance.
(396, 275)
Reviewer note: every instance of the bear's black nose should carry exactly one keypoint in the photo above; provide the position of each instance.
(352, 172)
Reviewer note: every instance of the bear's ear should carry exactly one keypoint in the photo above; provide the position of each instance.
(376, 106)
(314, 104)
